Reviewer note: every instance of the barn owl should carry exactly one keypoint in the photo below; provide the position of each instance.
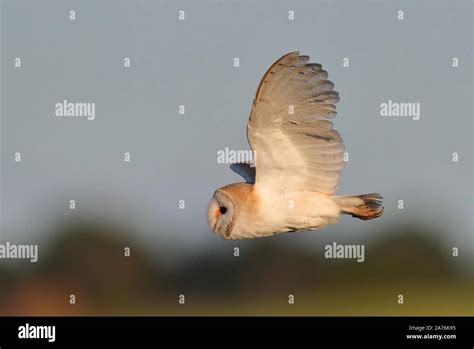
(299, 158)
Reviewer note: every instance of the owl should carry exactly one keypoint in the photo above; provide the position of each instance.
(292, 185)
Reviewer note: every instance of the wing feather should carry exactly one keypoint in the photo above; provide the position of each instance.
(246, 170)
(290, 131)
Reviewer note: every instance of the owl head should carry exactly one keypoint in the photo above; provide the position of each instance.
(222, 213)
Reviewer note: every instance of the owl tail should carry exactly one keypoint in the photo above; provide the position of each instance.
(366, 206)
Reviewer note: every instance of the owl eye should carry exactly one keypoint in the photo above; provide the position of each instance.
(223, 209)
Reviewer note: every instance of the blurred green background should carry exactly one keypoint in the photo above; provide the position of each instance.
(87, 260)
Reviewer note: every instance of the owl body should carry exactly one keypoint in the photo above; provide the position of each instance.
(253, 211)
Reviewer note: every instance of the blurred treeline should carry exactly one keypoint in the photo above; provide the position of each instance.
(88, 260)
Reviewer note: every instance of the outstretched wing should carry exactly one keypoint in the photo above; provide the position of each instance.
(246, 170)
(289, 128)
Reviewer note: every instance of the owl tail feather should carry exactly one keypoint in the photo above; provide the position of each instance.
(366, 206)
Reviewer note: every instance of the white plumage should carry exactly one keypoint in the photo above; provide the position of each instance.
(289, 128)
(299, 159)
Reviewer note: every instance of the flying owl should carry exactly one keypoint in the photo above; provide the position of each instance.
(299, 158)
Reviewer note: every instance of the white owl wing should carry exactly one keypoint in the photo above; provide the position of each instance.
(289, 129)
